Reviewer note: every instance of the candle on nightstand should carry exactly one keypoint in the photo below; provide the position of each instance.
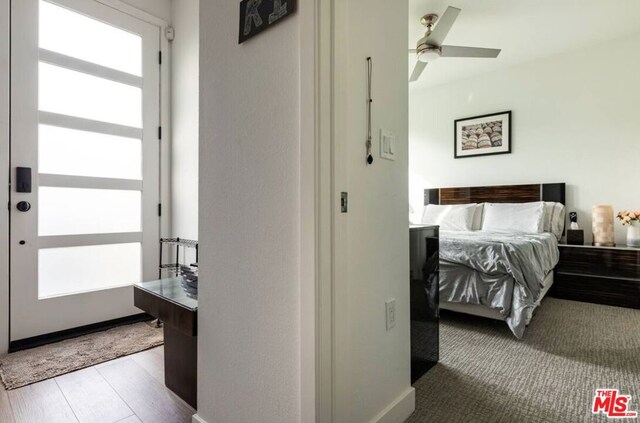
(602, 224)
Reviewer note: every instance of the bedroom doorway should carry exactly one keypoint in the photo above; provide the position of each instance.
(85, 113)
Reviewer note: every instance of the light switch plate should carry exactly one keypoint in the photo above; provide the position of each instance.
(387, 144)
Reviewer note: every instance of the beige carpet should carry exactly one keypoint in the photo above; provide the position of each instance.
(34, 365)
(569, 350)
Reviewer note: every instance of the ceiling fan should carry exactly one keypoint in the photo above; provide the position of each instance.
(430, 48)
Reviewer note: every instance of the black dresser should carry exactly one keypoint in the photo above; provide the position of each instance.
(424, 286)
(603, 275)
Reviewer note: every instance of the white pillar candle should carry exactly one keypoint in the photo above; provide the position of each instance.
(604, 234)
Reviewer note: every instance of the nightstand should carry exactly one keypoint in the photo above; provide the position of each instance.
(603, 275)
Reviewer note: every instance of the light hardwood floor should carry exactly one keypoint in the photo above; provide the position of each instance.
(126, 390)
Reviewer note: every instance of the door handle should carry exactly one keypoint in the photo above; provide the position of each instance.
(23, 206)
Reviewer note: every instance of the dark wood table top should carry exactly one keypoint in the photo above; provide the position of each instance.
(604, 247)
(169, 301)
(172, 290)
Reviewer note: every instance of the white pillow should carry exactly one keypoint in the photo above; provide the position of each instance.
(432, 214)
(513, 217)
(477, 217)
(554, 218)
(451, 217)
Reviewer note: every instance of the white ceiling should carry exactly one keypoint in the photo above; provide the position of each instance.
(525, 30)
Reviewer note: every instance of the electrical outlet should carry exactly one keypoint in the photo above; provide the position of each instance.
(390, 306)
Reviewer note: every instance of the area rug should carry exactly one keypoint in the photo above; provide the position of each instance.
(34, 365)
(569, 350)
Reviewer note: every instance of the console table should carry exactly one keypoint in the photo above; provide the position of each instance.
(168, 301)
(603, 275)
(424, 310)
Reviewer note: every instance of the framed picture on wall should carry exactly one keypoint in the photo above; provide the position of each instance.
(483, 135)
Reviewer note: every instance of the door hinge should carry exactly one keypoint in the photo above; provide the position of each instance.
(160, 209)
(344, 202)
(169, 33)
(159, 132)
(159, 57)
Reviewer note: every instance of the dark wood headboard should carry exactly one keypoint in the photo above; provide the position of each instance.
(497, 194)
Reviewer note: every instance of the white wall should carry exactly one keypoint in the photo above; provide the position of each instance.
(184, 119)
(158, 8)
(575, 120)
(372, 364)
(249, 313)
(4, 175)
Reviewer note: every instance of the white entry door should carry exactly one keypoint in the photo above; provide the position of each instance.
(85, 112)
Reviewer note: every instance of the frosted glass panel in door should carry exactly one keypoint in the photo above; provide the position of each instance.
(65, 151)
(72, 34)
(78, 94)
(75, 211)
(73, 270)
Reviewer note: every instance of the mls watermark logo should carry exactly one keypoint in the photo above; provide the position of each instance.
(613, 404)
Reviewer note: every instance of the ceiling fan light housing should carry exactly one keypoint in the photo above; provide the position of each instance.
(429, 54)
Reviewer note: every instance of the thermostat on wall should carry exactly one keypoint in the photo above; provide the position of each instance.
(387, 145)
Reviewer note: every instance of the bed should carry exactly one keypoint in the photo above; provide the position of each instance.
(499, 275)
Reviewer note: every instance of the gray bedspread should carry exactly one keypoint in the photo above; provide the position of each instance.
(501, 271)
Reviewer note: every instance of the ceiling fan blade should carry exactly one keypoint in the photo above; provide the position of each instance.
(443, 25)
(457, 51)
(417, 71)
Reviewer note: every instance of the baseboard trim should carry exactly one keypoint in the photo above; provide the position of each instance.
(396, 412)
(50, 338)
(399, 410)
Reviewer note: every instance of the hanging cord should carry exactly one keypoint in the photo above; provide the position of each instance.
(369, 101)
